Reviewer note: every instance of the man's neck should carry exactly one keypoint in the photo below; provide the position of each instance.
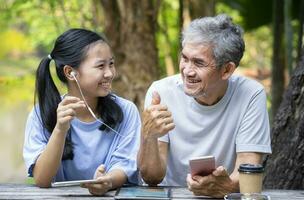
(213, 97)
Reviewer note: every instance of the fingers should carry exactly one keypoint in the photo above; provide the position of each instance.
(220, 171)
(155, 98)
(102, 185)
(192, 183)
(189, 181)
(199, 182)
(72, 103)
(170, 126)
(99, 171)
(204, 180)
(214, 185)
(157, 120)
(101, 168)
(66, 112)
(199, 185)
(69, 99)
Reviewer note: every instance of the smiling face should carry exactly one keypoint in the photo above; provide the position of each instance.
(97, 71)
(202, 79)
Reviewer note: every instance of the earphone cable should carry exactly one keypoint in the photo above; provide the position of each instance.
(92, 113)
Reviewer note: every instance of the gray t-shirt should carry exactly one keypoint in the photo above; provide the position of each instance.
(237, 123)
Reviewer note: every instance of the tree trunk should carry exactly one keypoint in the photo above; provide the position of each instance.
(300, 32)
(285, 167)
(193, 9)
(288, 35)
(199, 8)
(277, 81)
(130, 27)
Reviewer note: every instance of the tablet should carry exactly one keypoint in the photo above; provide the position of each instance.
(151, 193)
(72, 183)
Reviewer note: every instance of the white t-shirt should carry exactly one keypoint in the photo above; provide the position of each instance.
(237, 123)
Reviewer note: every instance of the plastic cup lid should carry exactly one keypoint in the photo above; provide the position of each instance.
(251, 168)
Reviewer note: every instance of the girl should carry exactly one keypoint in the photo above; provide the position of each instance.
(89, 132)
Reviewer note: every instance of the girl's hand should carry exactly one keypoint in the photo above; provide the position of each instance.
(66, 112)
(103, 184)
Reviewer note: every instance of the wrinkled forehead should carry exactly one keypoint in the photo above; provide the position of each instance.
(197, 50)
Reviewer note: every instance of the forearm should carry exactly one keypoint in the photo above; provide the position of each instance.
(151, 165)
(49, 161)
(246, 157)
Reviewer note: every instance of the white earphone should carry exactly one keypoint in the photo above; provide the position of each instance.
(73, 73)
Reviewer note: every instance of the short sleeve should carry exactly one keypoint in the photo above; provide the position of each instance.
(254, 131)
(35, 140)
(148, 100)
(125, 155)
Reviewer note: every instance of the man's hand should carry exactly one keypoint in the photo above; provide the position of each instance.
(156, 119)
(217, 184)
(103, 184)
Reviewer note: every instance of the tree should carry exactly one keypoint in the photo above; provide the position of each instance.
(277, 81)
(192, 9)
(285, 167)
(300, 32)
(130, 27)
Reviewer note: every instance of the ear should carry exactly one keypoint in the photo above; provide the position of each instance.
(227, 70)
(67, 70)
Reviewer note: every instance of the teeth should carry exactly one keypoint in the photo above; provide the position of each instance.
(193, 81)
(105, 84)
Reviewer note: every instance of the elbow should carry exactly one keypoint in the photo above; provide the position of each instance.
(40, 182)
(152, 179)
(41, 179)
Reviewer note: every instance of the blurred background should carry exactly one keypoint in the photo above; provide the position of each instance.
(145, 37)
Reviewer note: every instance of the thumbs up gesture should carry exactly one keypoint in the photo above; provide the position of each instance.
(155, 98)
(156, 119)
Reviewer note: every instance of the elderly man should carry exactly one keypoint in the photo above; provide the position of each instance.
(204, 110)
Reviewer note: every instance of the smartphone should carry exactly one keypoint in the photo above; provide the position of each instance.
(72, 183)
(202, 166)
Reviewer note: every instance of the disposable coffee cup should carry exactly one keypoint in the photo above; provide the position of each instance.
(251, 178)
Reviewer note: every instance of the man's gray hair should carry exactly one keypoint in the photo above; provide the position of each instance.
(224, 37)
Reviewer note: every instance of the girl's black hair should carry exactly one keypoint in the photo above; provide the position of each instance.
(70, 49)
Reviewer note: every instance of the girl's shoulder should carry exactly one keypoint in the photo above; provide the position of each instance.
(125, 104)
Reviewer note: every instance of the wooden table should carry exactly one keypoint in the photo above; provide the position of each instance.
(22, 191)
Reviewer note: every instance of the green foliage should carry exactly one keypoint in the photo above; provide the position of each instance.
(29, 28)
(42, 21)
(258, 51)
(168, 34)
(257, 13)
(15, 44)
(30, 181)
(17, 82)
(16, 89)
(254, 13)
(234, 13)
